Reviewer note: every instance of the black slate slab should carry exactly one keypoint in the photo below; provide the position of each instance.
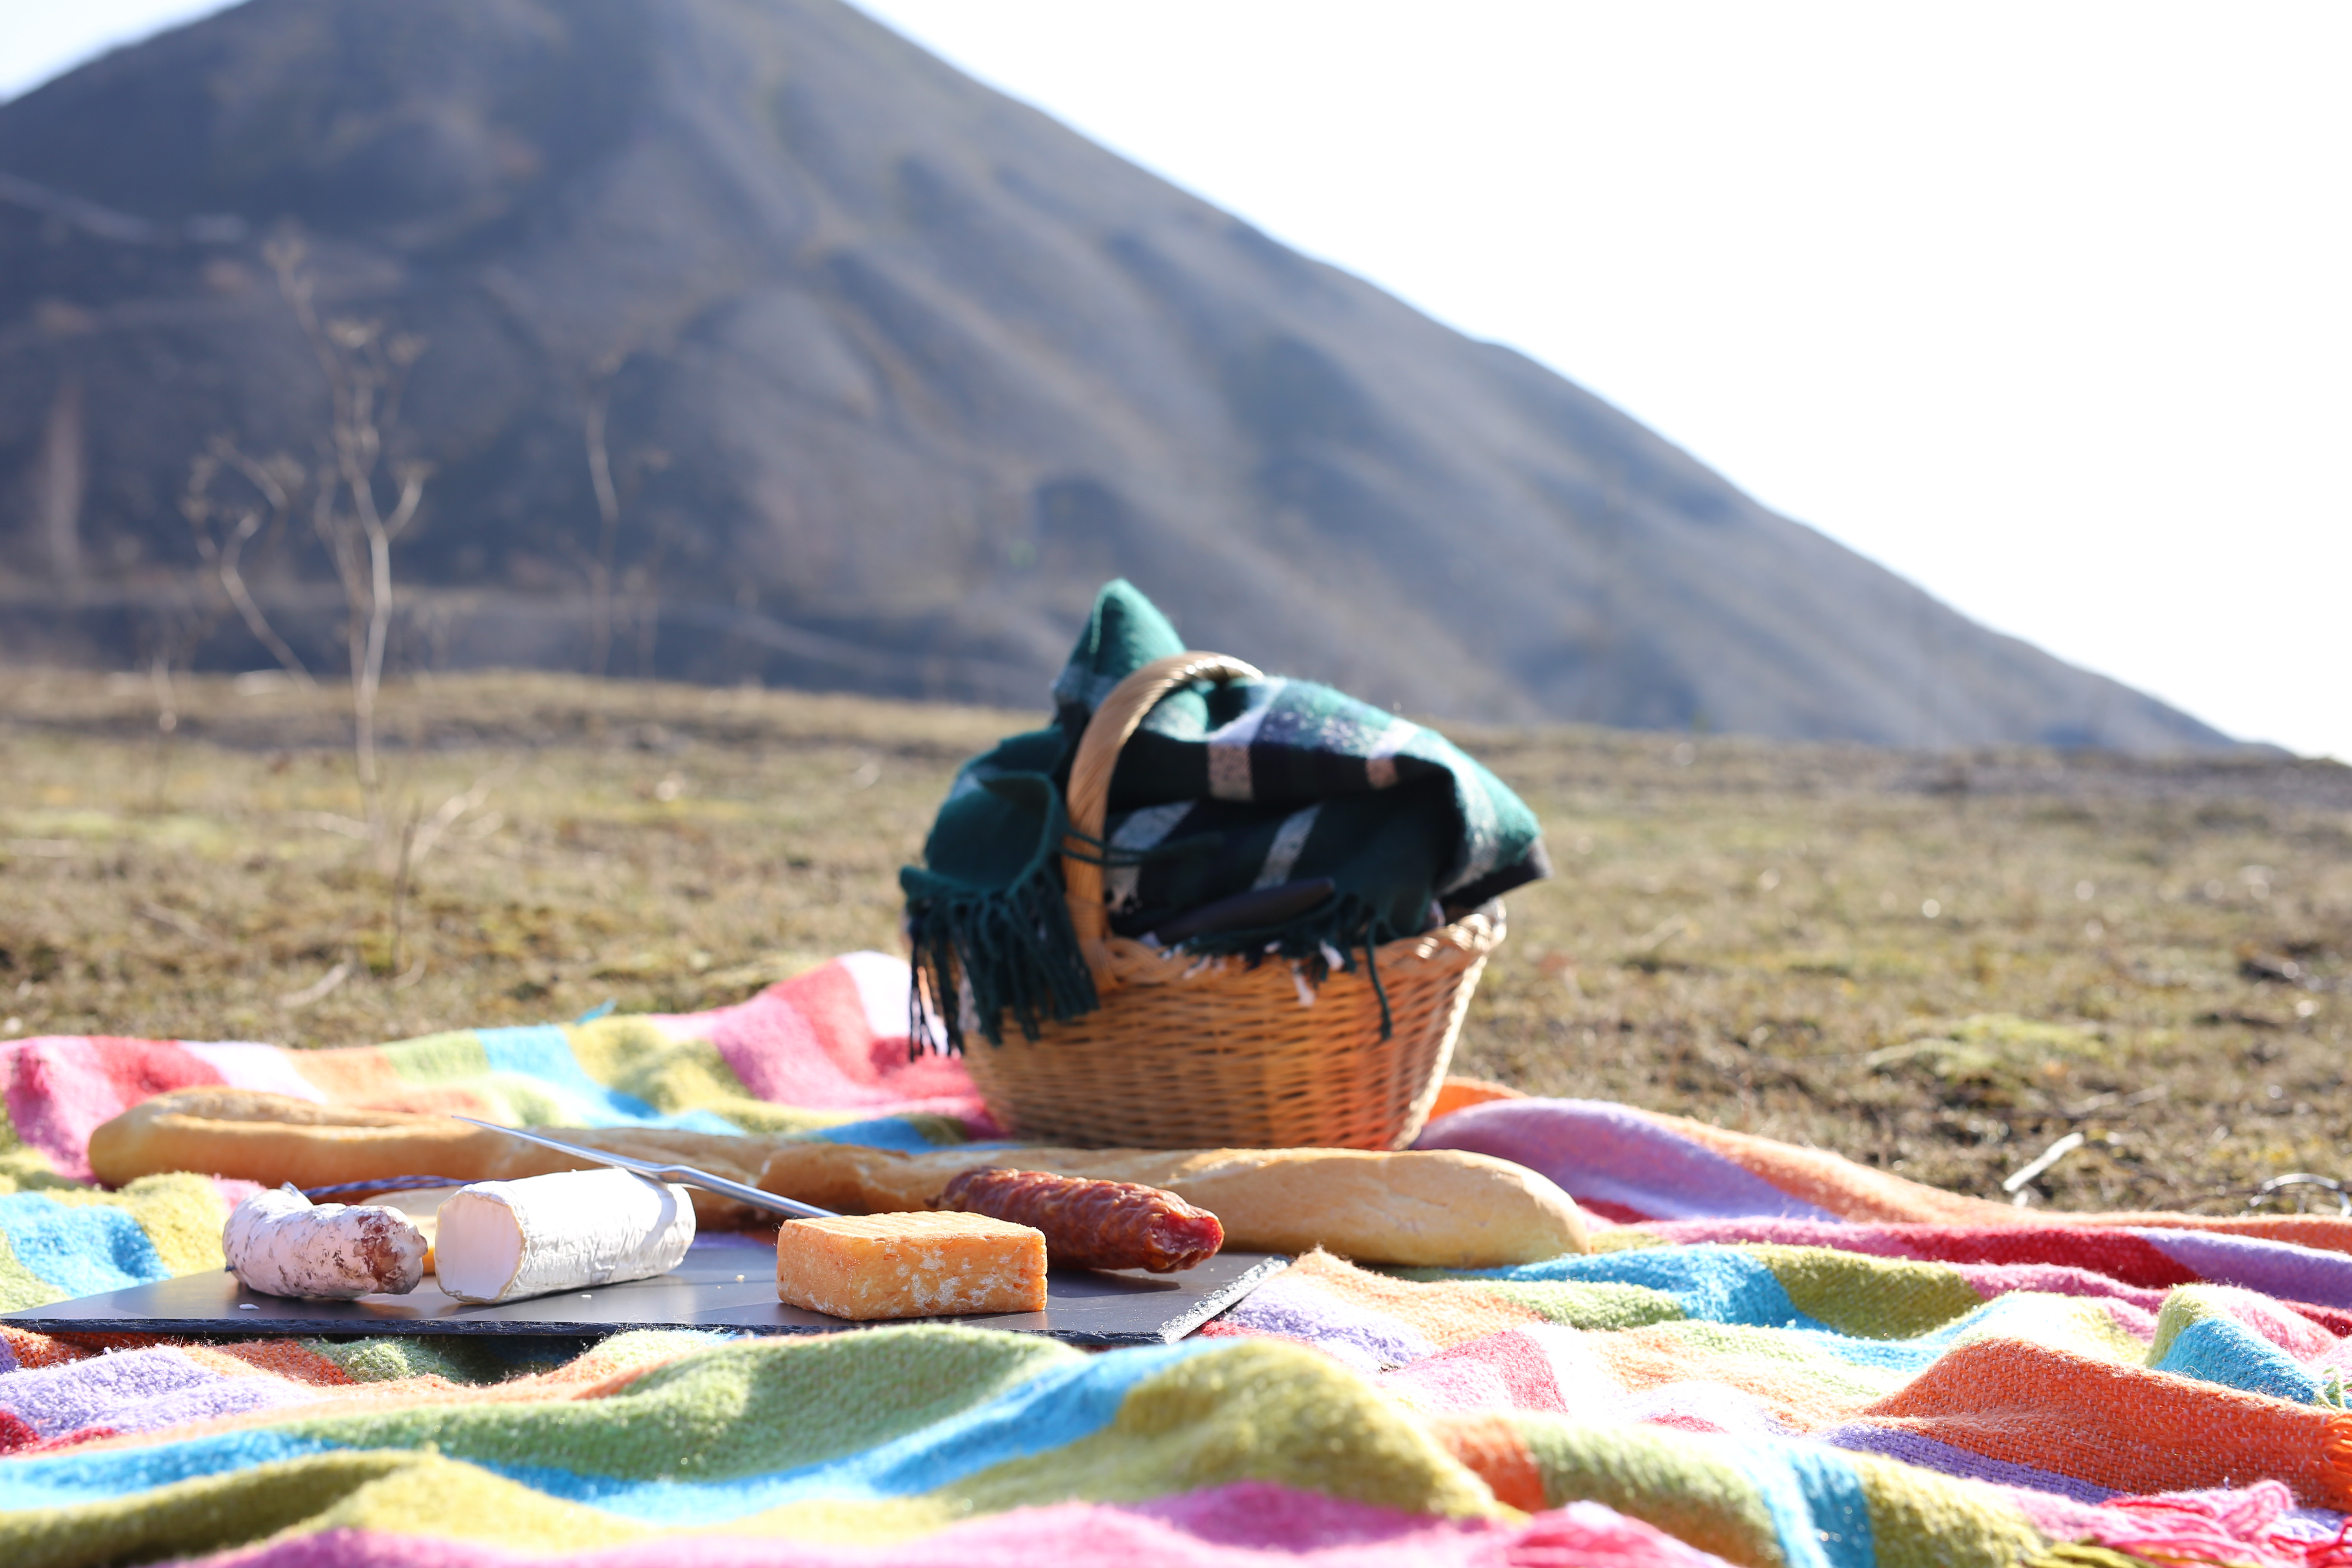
(722, 1285)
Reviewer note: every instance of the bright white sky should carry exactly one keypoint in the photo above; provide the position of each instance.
(2044, 306)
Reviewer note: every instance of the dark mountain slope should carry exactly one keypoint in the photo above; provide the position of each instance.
(892, 370)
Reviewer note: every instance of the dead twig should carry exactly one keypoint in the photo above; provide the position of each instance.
(1664, 931)
(2107, 1103)
(366, 371)
(310, 994)
(2277, 1184)
(400, 888)
(275, 481)
(2016, 1182)
(167, 721)
(454, 809)
(173, 920)
(596, 403)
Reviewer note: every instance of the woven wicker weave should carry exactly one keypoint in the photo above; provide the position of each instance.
(1188, 1052)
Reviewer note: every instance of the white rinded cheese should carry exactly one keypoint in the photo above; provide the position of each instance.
(500, 1241)
(281, 1243)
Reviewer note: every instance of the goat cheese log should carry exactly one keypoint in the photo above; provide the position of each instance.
(281, 1243)
(1092, 1224)
(501, 1241)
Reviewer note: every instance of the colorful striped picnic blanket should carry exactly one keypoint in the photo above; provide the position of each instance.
(1773, 1358)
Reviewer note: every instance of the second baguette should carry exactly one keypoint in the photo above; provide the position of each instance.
(1434, 1208)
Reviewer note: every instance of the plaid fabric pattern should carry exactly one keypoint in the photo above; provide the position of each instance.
(1226, 789)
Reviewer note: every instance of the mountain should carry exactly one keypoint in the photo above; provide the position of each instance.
(890, 372)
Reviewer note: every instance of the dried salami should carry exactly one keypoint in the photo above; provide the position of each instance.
(281, 1243)
(1092, 1224)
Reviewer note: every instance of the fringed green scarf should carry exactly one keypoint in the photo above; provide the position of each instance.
(1259, 817)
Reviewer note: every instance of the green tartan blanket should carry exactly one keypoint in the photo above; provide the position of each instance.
(1362, 826)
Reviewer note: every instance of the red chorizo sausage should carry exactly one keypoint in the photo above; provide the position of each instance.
(1092, 1224)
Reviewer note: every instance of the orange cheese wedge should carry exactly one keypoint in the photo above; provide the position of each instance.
(916, 1263)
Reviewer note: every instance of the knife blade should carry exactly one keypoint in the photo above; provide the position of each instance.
(685, 1175)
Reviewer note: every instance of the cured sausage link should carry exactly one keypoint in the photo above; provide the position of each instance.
(1092, 1224)
(281, 1243)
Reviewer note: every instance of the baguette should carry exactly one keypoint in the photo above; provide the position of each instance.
(275, 1138)
(1439, 1209)
(1436, 1209)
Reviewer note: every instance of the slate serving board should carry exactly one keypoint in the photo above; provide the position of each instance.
(722, 1285)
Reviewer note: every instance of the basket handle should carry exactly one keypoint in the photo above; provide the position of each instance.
(1118, 716)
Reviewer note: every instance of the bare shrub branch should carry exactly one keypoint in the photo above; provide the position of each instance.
(367, 373)
(608, 524)
(275, 481)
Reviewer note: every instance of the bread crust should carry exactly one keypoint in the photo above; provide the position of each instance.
(275, 1138)
(1434, 1208)
(1439, 1209)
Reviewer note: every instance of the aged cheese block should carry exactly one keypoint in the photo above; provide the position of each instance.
(500, 1241)
(916, 1263)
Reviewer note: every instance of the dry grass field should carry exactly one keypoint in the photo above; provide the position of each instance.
(1938, 965)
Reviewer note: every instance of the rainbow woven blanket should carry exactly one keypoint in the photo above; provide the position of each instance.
(1773, 1358)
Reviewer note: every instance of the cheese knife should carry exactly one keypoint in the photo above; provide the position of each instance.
(685, 1175)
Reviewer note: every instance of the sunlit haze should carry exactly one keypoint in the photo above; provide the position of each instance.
(2042, 306)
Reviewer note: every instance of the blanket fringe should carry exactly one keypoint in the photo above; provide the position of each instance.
(1034, 970)
(1334, 942)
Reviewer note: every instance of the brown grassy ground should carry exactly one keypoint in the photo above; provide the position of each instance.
(1937, 965)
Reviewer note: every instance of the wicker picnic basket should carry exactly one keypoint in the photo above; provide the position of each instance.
(1192, 1053)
